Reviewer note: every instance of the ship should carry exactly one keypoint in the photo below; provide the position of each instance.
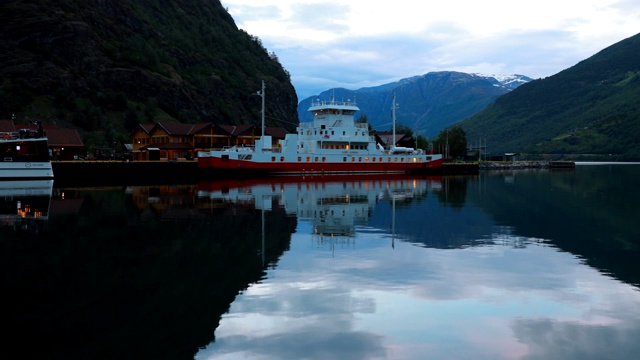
(24, 154)
(333, 143)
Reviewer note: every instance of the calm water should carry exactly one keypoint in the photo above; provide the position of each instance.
(531, 264)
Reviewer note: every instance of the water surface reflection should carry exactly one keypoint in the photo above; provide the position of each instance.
(339, 267)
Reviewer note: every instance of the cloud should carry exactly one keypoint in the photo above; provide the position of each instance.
(368, 43)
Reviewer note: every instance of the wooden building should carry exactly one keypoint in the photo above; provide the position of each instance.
(174, 141)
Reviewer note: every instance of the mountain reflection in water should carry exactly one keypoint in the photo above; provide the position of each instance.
(490, 266)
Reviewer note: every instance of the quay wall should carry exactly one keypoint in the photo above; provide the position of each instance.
(88, 173)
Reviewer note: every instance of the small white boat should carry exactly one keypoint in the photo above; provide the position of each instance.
(24, 154)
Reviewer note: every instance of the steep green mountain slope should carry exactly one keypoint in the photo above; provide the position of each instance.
(104, 66)
(589, 111)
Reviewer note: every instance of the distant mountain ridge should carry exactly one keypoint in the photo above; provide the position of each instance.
(427, 103)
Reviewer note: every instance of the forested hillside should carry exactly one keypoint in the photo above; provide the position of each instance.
(105, 66)
(590, 111)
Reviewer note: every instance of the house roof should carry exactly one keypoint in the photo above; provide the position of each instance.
(276, 132)
(147, 127)
(176, 128)
(7, 126)
(63, 137)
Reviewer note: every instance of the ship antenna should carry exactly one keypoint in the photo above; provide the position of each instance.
(261, 94)
(393, 118)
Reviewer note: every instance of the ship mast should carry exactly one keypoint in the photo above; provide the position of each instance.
(261, 94)
(393, 119)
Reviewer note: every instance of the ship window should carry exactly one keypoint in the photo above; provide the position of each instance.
(401, 159)
(359, 159)
(299, 159)
(315, 159)
(374, 159)
(395, 160)
(322, 127)
(344, 133)
(308, 158)
(380, 159)
(353, 159)
(366, 159)
(356, 133)
(332, 132)
(324, 159)
(344, 159)
(415, 160)
(273, 159)
(363, 133)
(281, 158)
(428, 157)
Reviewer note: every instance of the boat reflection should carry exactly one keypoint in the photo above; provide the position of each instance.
(333, 205)
(24, 203)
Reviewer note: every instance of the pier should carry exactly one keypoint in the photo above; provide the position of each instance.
(96, 173)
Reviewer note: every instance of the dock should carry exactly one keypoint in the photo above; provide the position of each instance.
(97, 173)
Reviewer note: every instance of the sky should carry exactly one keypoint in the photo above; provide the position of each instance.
(356, 44)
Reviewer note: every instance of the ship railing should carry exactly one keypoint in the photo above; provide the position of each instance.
(332, 102)
(9, 135)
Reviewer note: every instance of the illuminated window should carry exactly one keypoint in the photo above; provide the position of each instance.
(366, 159)
(308, 158)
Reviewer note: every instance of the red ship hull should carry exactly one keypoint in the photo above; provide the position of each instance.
(216, 163)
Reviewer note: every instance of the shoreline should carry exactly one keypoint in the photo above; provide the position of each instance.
(527, 164)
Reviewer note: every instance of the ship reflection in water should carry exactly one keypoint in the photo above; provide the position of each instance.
(333, 205)
(25, 204)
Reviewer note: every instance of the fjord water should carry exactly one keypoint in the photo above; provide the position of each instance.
(527, 264)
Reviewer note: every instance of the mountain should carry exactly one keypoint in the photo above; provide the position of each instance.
(427, 103)
(104, 66)
(589, 111)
